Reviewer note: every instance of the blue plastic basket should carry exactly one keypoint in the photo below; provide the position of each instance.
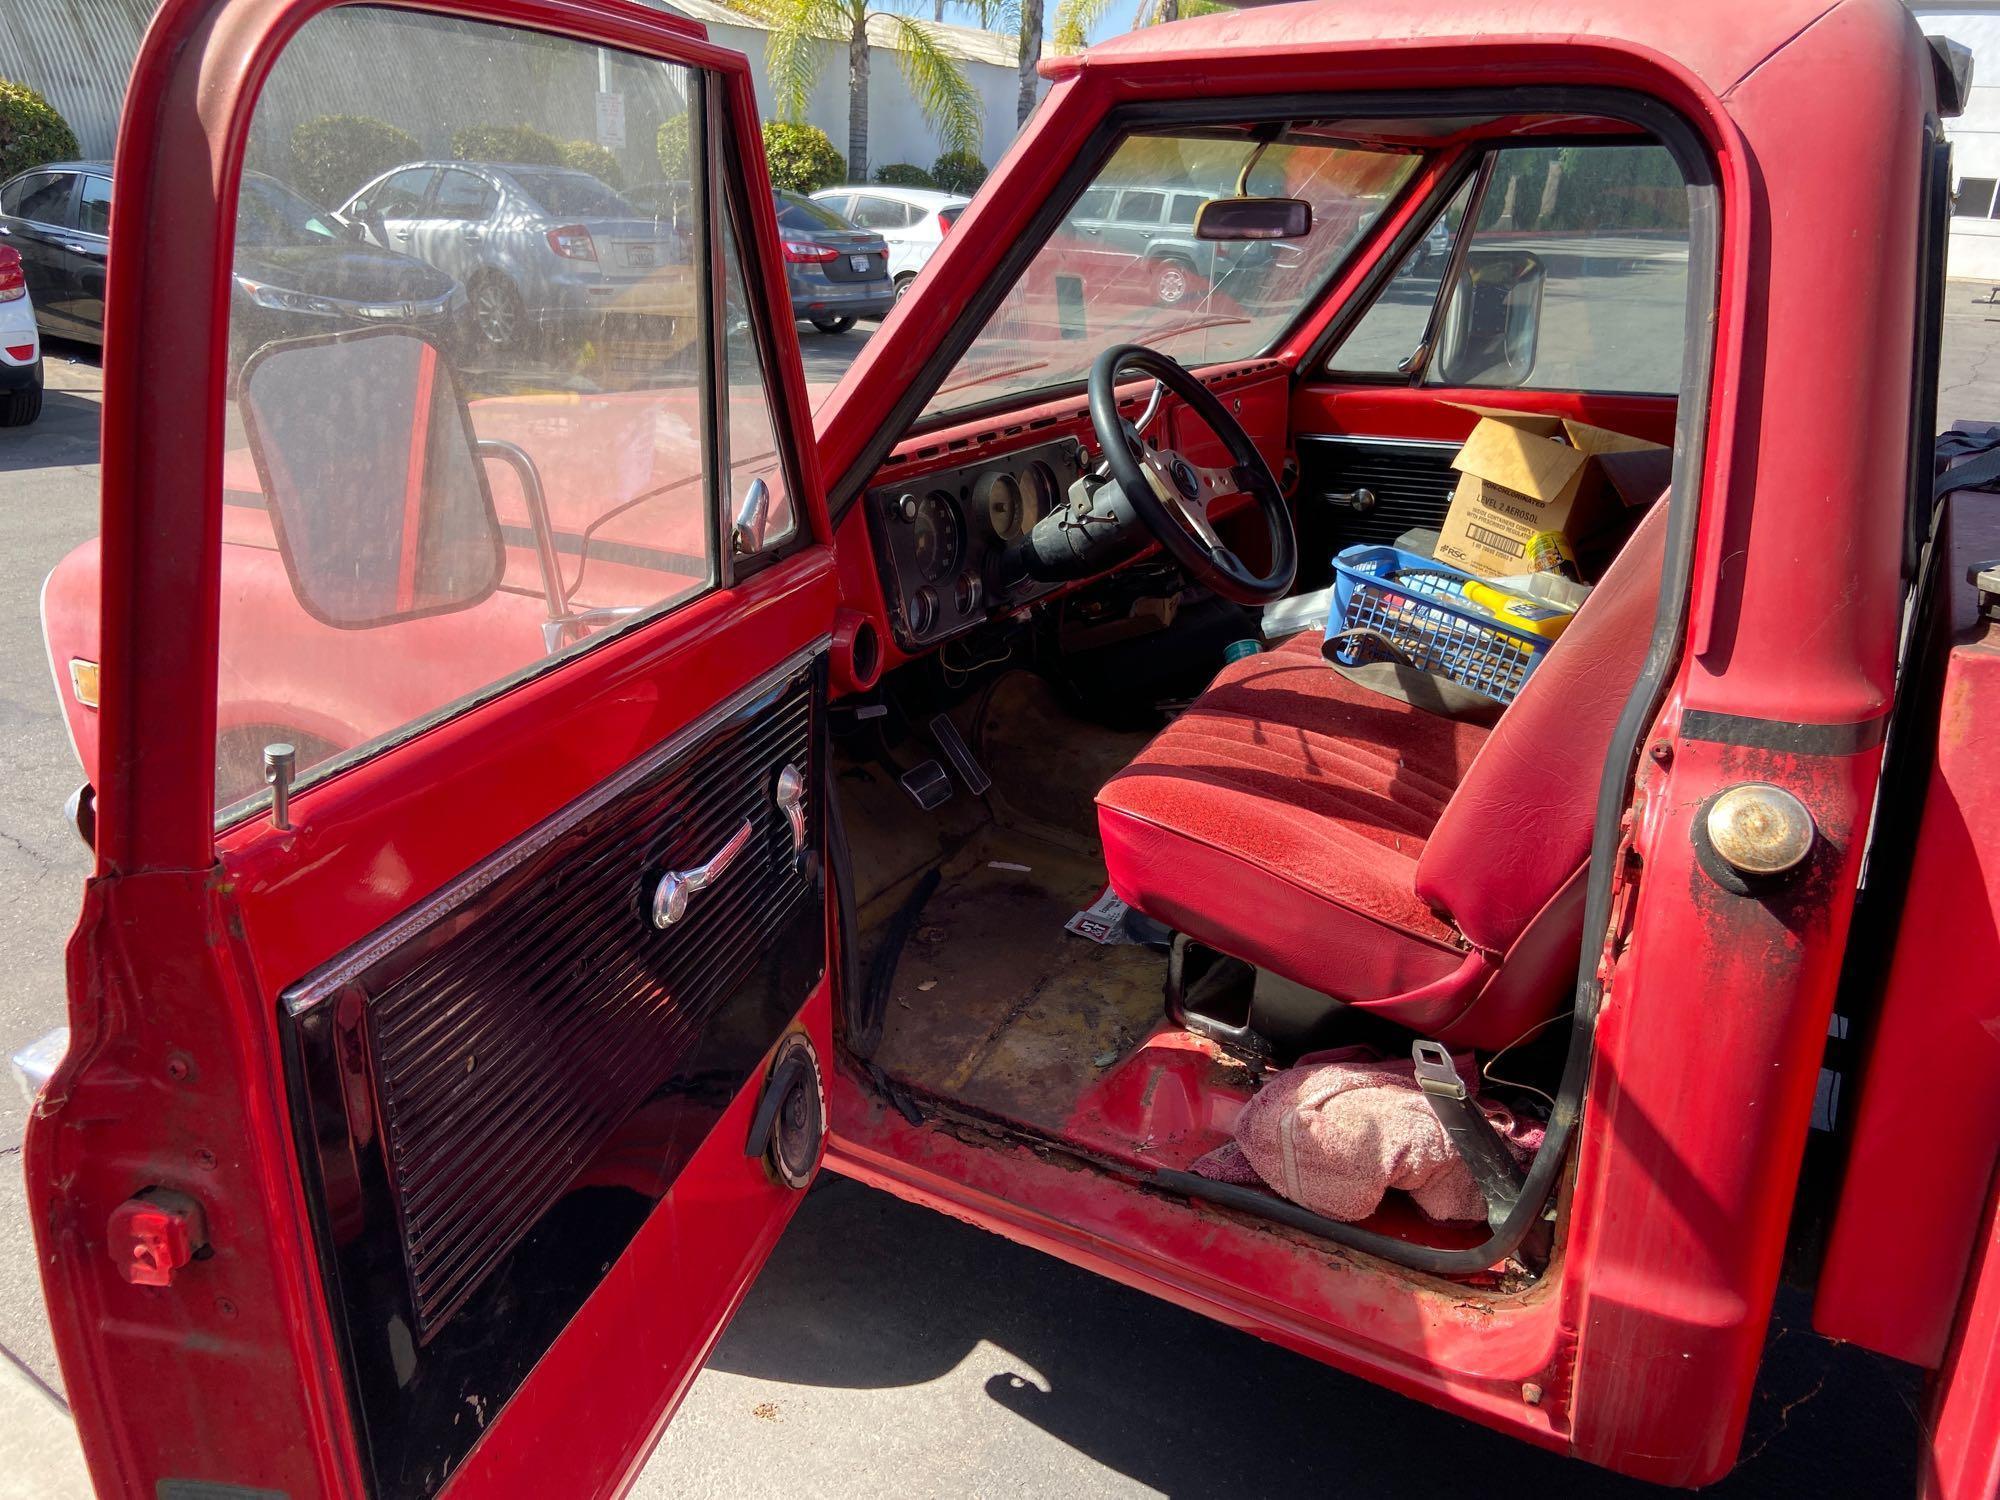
(1417, 608)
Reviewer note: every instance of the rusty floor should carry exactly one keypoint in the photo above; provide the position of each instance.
(996, 1006)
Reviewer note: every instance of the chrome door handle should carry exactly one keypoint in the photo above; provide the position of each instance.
(791, 799)
(670, 897)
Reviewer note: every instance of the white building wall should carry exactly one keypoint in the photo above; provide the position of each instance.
(1975, 135)
(897, 131)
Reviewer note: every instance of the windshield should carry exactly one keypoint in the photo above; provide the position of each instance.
(573, 195)
(1124, 265)
(802, 213)
(269, 214)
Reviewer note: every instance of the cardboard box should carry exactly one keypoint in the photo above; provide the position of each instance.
(1536, 492)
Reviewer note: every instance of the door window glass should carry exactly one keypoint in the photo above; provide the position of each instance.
(1599, 234)
(93, 206)
(45, 200)
(463, 195)
(1386, 340)
(1183, 210)
(1573, 278)
(400, 196)
(1140, 208)
(879, 213)
(754, 453)
(1094, 204)
(453, 460)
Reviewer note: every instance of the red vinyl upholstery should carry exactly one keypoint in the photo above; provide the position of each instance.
(1422, 868)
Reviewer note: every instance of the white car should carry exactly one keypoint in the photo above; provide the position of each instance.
(20, 345)
(913, 220)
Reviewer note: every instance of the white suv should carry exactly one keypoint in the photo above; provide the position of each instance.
(913, 220)
(20, 345)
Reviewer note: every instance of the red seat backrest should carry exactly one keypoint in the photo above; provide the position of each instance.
(1520, 823)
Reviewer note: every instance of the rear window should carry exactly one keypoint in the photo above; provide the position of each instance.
(574, 195)
(802, 213)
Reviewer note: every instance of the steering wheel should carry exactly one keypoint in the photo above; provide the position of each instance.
(1173, 496)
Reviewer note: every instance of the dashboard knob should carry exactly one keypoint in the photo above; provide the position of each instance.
(907, 507)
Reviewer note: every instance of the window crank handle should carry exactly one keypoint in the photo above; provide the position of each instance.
(670, 897)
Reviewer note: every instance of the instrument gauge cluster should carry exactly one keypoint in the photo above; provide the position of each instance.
(938, 538)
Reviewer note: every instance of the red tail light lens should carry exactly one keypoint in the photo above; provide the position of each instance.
(946, 218)
(13, 282)
(805, 251)
(573, 242)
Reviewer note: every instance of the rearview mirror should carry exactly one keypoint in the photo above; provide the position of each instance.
(1493, 321)
(370, 472)
(1253, 219)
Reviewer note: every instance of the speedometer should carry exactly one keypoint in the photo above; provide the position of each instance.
(936, 538)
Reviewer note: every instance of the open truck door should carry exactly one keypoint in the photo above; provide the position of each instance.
(440, 1073)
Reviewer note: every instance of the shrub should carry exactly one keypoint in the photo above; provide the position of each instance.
(335, 154)
(31, 132)
(588, 156)
(958, 172)
(672, 145)
(904, 174)
(801, 158)
(522, 144)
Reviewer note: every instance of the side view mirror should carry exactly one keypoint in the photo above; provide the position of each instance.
(1253, 219)
(353, 229)
(1493, 320)
(371, 474)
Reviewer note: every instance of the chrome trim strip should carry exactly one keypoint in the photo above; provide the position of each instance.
(341, 970)
(1357, 438)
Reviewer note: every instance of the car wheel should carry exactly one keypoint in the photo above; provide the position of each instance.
(498, 315)
(1172, 282)
(833, 325)
(19, 408)
(903, 283)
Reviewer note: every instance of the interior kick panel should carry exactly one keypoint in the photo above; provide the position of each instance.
(492, 1094)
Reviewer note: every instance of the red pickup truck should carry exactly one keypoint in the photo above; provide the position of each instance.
(541, 820)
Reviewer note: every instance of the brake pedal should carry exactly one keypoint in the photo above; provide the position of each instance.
(960, 755)
(928, 785)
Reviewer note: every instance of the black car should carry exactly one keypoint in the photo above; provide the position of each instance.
(298, 269)
(58, 217)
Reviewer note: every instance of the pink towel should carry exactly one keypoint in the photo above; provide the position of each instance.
(1337, 1130)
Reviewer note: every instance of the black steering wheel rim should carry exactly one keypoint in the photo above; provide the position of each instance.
(1171, 495)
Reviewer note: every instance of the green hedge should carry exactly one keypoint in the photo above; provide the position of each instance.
(801, 157)
(500, 144)
(904, 174)
(672, 145)
(31, 132)
(588, 156)
(335, 154)
(958, 172)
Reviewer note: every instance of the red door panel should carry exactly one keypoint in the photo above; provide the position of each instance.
(390, 1114)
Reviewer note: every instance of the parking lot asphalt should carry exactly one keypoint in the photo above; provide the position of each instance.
(888, 1348)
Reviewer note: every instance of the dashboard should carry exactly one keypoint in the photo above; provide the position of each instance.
(940, 538)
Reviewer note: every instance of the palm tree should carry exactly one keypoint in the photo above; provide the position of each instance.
(937, 81)
(1024, 19)
(1074, 18)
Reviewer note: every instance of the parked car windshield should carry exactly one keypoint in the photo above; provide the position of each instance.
(268, 213)
(795, 212)
(574, 195)
(1124, 265)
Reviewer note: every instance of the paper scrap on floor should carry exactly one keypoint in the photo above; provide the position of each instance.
(1103, 921)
